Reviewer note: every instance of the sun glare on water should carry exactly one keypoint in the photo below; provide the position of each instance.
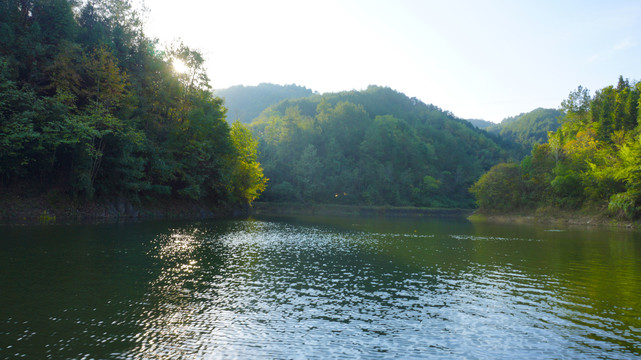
(180, 66)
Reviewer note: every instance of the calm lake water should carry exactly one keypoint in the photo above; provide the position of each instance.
(319, 288)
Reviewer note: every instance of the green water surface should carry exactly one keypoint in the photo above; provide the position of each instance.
(284, 288)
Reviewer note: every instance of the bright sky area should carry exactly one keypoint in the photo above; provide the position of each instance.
(478, 59)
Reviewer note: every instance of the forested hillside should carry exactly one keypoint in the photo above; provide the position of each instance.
(375, 147)
(90, 107)
(591, 161)
(481, 124)
(245, 103)
(528, 128)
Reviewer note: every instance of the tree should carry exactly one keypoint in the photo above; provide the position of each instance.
(577, 106)
(18, 110)
(245, 103)
(536, 169)
(627, 170)
(500, 188)
(247, 179)
(91, 107)
(375, 147)
(591, 161)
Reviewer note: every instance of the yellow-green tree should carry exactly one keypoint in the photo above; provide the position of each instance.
(591, 161)
(247, 179)
(500, 188)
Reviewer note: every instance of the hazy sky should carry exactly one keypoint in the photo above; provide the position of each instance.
(477, 59)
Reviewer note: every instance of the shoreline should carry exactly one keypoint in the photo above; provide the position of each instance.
(553, 217)
(292, 209)
(18, 210)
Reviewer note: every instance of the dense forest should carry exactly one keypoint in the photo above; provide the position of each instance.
(479, 123)
(376, 147)
(591, 162)
(245, 103)
(90, 107)
(529, 128)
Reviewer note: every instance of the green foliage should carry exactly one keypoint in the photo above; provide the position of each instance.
(626, 169)
(245, 103)
(536, 170)
(529, 128)
(247, 179)
(625, 204)
(577, 106)
(566, 185)
(481, 124)
(592, 159)
(18, 110)
(375, 147)
(90, 106)
(500, 188)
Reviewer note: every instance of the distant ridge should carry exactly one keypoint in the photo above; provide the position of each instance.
(481, 124)
(528, 128)
(374, 147)
(245, 103)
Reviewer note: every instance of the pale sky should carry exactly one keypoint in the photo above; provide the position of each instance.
(478, 59)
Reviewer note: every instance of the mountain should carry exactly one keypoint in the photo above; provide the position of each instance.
(91, 110)
(481, 124)
(244, 103)
(590, 163)
(374, 147)
(528, 128)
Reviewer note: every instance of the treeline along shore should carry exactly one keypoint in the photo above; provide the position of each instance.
(95, 121)
(590, 165)
(297, 209)
(92, 111)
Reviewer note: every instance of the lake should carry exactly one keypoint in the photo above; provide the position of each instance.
(317, 288)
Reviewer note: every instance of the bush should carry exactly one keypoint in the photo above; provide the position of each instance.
(624, 204)
(499, 188)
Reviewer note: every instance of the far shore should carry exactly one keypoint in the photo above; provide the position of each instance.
(547, 216)
(15, 209)
(19, 210)
(292, 209)
(553, 217)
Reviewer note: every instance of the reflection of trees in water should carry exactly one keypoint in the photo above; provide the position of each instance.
(250, 287)
(74, 290)
(228, 288)
(193, 294)
(586, 280)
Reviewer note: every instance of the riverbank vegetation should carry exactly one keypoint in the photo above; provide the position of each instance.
(91, 109)
(528, 129)
(245, 103)
(372, 147)
(590, 163)
(301, 209)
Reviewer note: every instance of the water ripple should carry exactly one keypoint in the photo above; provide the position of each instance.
(259, 289)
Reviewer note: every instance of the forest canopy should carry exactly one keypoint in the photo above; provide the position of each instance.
(245, 103)
(529, 128)
(92, 107)
(373, 147)
(591, 161)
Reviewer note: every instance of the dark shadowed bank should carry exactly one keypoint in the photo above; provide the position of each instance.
(16, 209)
(555, 217)
(269, 208)
(546, 216)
